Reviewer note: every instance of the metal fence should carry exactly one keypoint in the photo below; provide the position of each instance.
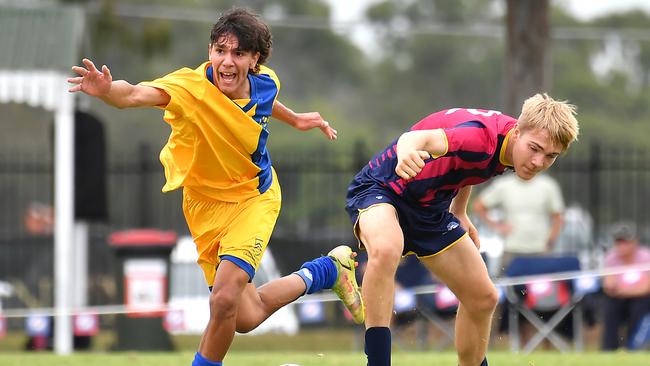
(610, 183)
(607, 183)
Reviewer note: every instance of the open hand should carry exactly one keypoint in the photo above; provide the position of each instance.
(329, 132)
(90, 80)
(467, 224)
(309, 120)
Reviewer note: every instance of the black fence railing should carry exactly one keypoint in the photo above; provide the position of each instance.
(610, 183)
(607, 184)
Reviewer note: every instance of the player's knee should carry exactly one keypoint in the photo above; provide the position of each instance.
(492, 299)
(223, 304)
(483, 301)
(245, 326)
(488, 300)
(385, 256)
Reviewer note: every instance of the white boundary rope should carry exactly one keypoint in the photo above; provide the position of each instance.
(329, 296)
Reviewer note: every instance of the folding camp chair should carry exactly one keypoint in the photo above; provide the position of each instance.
(544, 296)
(441, 314)
(436, 309)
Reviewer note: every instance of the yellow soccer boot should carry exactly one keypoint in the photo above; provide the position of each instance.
(346, 287)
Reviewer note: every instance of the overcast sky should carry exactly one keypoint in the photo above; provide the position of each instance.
(350, 12)
(346, 10)
(585, 9)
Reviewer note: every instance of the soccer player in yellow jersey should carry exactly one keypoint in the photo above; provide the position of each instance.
(217, 153)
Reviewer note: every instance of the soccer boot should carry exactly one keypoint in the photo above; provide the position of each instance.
(346, 287)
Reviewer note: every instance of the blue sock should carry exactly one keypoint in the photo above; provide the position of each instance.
(378, 342)
(306, 276)
(200, 361)
(484, 363)
(318, 274)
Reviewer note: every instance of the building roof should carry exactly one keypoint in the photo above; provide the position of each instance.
(40, 38)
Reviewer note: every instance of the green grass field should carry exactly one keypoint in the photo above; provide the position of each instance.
(322, 359)
(330, 347)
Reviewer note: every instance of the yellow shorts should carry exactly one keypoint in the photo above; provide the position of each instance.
(238, 229)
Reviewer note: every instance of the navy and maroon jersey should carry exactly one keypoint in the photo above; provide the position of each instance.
(476, 143)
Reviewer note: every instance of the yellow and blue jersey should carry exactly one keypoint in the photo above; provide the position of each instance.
(217, 146)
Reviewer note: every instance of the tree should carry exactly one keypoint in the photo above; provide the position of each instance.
(526, 59)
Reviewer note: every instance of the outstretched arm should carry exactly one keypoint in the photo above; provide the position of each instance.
(303, 121)
(120, 93)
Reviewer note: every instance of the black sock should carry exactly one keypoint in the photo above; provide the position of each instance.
(378, 342)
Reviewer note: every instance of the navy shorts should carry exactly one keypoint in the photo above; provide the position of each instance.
(427, 231)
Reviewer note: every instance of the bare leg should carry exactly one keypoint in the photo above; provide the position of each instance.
(258, 304)
(229, 283)
(236, 304)
(381, 234)
(462, 269)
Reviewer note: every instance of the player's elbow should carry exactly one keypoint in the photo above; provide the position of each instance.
(479, 208)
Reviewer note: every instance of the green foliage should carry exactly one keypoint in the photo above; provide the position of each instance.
(559, 17)
(612, 107)
(382, 12)
(108, 30)
(310, 70)
(629, 19)
(421, 12)
(156, 38)
(375, 95)
(424, 72)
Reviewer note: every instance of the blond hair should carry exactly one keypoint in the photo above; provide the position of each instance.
(557, 117)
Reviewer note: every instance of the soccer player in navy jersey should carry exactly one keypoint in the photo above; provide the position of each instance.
(411, 198)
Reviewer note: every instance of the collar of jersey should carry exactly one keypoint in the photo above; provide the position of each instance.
(502, 153)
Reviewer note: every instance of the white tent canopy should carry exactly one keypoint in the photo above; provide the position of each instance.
(35, 88)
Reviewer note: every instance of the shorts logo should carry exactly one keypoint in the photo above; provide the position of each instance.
(452, 225)
(258, 246)
(379, 197)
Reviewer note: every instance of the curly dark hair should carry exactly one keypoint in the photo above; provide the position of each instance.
(253, 34)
